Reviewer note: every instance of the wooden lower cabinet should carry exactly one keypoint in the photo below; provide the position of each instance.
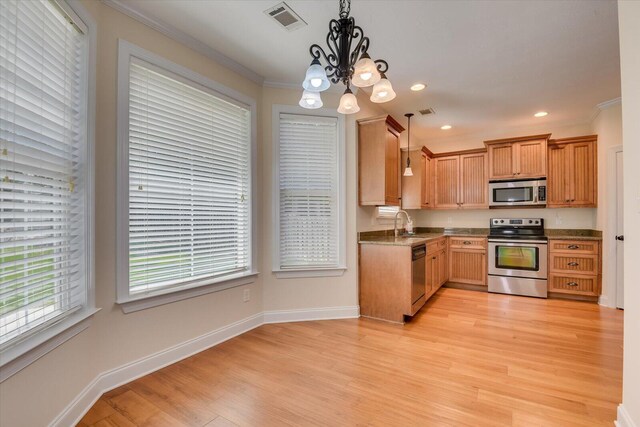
(468, 260)
(575, 267)
(437, 267)
(385, 282)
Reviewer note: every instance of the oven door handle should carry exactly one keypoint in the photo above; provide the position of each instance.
(519, 242)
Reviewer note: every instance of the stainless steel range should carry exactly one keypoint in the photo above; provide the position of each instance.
(518, 257)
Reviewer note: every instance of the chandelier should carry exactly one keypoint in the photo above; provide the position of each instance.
(347, 62)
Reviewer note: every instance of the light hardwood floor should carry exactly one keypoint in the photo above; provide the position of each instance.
(467, 359)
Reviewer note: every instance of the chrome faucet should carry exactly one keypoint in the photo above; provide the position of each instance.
(395, 221)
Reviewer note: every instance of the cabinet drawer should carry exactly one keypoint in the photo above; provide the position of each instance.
(468, 242)
(579, 285)
(574, 246)
(566, 263)
(436, 245)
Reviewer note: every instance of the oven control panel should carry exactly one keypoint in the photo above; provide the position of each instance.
(511, 222)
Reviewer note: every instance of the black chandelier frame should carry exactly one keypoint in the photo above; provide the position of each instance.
(341, 59)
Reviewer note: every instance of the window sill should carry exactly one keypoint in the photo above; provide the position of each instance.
(318, 272)
(167, 296)
(21, 355)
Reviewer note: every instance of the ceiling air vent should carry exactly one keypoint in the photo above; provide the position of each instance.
(285, 16)
(427, 111)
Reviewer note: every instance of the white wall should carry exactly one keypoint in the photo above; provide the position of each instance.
(629, 17)
(37, 394)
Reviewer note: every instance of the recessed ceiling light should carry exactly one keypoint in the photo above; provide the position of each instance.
(418, 86)
(446, 127)
(540, 114)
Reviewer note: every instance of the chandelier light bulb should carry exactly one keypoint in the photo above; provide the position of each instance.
(310, 100)
(316, 82)
(348, 103)
(382, 91)
(316, 78)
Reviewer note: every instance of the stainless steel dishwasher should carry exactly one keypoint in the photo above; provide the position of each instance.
(418, 273)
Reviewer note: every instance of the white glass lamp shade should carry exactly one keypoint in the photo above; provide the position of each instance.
(316, 78)
(408, 171)
(310, 100)
(348, 103)
(365, 72)
(382, 91)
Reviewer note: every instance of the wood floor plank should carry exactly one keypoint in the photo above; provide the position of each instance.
(467, 359)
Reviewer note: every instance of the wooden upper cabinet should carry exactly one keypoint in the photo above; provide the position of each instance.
(447, 176)
(516, 158)
(573, 175)
(473, 181)
(379, 161)
(461, 181)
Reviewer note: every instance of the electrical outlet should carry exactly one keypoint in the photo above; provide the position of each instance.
(558, 219)
(449, 220)
(246, 295)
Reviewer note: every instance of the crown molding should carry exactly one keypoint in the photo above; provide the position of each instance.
(185, 39)
(610, 103)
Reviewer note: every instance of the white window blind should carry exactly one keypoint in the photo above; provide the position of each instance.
(43, 148)
(308, 180)
(189, 182)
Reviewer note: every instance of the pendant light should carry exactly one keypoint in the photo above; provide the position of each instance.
(348, 103)
(310, 100)
(408, 171)
(382, 91)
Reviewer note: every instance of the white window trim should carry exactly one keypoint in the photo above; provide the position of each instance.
(342, 201)
(130, 303)
(24, 353)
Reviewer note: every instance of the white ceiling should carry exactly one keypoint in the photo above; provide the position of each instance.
(485, 63)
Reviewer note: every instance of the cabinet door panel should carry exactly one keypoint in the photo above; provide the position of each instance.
(426, 182)
(583, 174)
(531, 159)
(558, 180)
(443, 267)
(473, 181)
(467, 266)
(501, 161)
(447, 182)
(392, 169)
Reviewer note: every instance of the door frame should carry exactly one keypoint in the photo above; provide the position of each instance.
(609, 250)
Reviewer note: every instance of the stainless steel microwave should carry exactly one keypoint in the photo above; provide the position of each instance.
(518, 193)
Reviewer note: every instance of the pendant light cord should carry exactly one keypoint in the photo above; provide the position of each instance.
(408, 116)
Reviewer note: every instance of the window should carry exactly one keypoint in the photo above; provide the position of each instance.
(309, 192)
(45, 181)
(187, 189)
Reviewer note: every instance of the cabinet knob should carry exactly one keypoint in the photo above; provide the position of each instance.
(574, 247)
(466, 242)
(567, 201)
(573, 264)
(573, 200)
(572, 284)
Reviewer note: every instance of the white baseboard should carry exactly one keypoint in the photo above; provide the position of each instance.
(323, 313)
(603, 300)
(624, 419)
(109, 380)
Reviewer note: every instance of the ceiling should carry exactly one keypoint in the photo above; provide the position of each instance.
(485, 63)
